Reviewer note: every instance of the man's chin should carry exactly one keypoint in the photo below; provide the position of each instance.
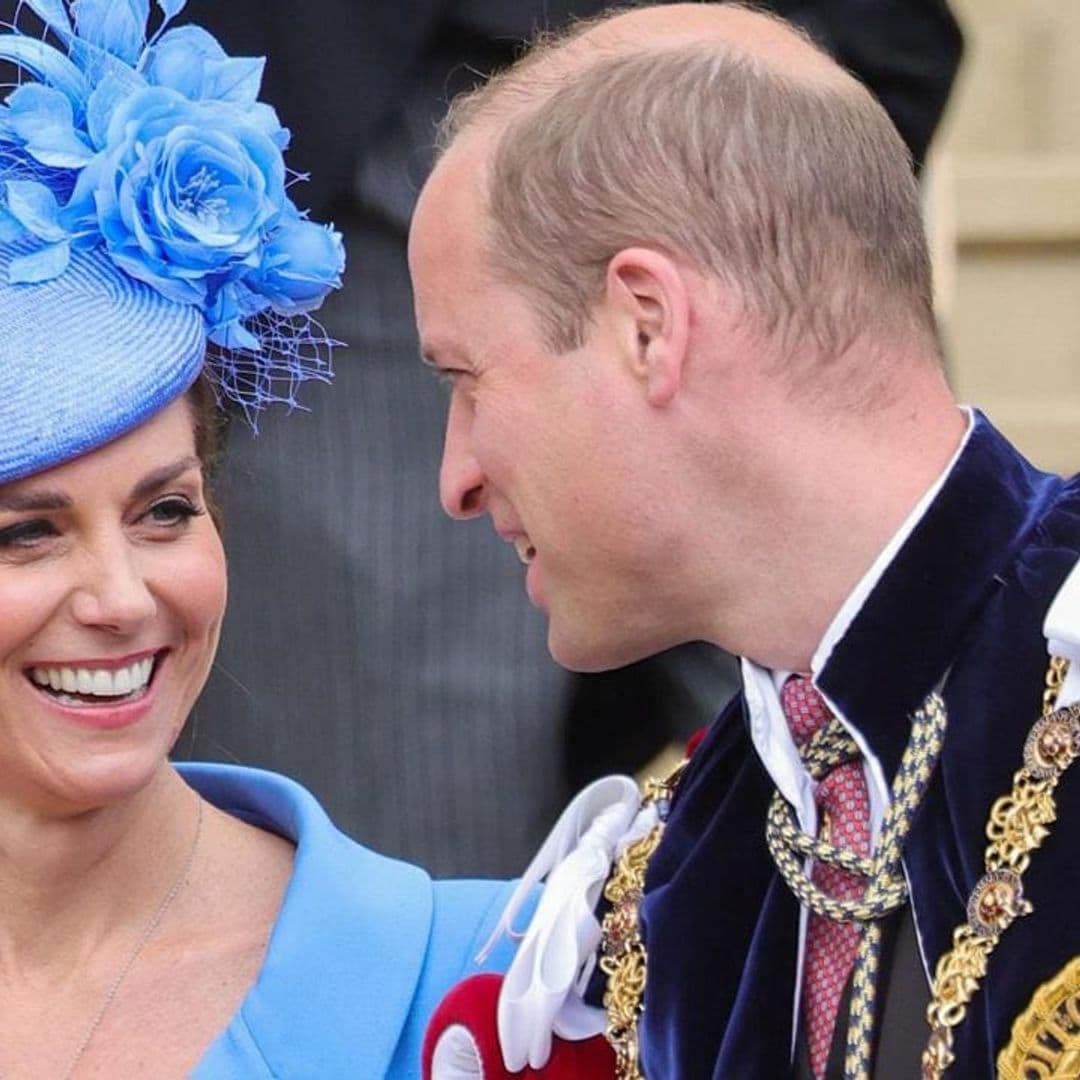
(590, 651)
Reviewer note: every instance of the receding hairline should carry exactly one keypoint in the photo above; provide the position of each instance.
(776, 47)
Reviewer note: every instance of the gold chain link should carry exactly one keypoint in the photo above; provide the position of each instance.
(622, 957)
(1017, 825)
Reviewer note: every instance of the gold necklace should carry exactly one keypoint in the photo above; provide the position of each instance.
(1018, 824)
(145, 935)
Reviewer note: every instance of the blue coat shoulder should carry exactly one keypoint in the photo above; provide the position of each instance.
(363, 948)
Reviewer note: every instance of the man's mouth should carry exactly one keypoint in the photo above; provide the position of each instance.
(525, 551)
(83, 687)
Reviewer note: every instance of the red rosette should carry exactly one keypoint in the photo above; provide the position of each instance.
(462, 1041)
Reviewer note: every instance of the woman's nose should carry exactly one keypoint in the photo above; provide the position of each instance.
(114, 593)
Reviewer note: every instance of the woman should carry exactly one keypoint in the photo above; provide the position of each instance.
(159, 921)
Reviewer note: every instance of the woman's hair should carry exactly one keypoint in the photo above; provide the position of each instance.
(209, 424)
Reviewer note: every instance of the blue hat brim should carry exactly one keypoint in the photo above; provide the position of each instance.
(85, 358)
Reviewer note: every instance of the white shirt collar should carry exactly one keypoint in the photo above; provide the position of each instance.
(768, 728)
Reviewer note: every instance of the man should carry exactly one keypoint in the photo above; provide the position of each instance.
(674, 271)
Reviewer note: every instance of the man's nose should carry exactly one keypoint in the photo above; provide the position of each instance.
(461, 480)
(114, 593)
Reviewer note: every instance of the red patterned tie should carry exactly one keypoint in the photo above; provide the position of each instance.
(844, 820)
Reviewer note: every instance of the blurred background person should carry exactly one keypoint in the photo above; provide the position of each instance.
(378, 651)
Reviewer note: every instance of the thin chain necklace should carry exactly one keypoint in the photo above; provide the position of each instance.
(147, 933)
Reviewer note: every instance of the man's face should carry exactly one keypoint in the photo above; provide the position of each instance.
(548, 445)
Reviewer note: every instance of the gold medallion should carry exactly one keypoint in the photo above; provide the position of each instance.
(1045, 1043)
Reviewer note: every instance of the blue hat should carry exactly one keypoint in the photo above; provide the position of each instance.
(86, 356)
(146, 232)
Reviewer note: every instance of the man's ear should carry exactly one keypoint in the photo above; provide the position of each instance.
(648, 299)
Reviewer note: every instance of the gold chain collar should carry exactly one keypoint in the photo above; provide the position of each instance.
(622, 952)
(1018, 824)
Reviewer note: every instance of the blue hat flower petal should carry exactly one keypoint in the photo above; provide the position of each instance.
(42, 119)
(46, 63)
(54, 15)
(35, 207)
(171, 8)
(44, 264)
(189, 60)
(116, 26)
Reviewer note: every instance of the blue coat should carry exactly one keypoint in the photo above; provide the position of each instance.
(964, 601)
(362, 950)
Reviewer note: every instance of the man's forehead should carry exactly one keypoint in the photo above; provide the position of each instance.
(450, 208)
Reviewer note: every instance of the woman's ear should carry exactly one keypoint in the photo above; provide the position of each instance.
(648, 299)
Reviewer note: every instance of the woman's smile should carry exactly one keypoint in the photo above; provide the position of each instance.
(102, 693)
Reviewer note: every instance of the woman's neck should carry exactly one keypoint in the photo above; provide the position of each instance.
(69, 883)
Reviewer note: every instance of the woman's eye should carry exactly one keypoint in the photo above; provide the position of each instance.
(172, 512)
(25, 534)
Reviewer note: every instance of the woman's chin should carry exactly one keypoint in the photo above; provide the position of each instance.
(72, 756)
(71, 783)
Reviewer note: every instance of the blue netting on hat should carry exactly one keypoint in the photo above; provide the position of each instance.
(294, 350)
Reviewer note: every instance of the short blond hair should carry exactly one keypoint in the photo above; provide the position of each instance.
(797, 194)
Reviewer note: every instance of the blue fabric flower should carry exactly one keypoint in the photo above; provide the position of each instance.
(160, 151)
(299, 257)
(183, 193)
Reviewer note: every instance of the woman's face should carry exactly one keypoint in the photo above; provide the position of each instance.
(112, 590)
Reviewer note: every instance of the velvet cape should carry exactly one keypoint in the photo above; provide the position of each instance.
(361, 952)
(962, 603)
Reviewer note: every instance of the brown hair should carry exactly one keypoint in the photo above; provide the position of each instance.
(798, 194)
(209, 426)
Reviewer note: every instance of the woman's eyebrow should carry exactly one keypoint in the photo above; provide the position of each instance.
(41, 499)
(152, 481)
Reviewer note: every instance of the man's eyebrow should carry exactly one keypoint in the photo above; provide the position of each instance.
(40, 500)
(154, 481)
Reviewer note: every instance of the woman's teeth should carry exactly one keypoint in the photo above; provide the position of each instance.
(96, 682)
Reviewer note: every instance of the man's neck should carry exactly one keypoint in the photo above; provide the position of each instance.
(830, 500)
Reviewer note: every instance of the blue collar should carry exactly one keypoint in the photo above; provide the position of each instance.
(348, 946)
(925, 604)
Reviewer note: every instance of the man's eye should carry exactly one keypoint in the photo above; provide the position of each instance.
(26, 534)
(173, 511)
(450, 377)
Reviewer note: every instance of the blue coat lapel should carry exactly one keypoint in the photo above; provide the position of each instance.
(348, 948)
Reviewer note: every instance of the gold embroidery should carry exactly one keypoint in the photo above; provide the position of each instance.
(1045, 1043)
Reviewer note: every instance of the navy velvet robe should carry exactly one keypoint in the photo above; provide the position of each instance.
(963, 602)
